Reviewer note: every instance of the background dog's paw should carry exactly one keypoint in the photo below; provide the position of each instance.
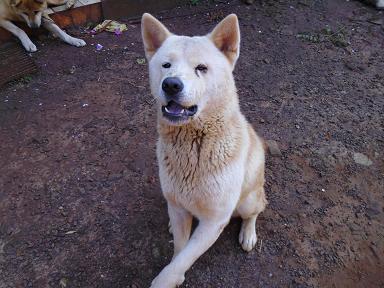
(70, 3)
(77, 42)
(29, 46)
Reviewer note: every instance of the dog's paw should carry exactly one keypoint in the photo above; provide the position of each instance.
(167, 279)
(247, 236)
(76, 42)
(29, 46)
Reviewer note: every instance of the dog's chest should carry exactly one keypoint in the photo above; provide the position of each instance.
(192, 166)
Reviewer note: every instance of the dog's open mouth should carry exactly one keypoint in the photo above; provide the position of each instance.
(175, 111)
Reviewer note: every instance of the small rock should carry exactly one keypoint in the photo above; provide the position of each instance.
(273, 148)
(156, 252)
(248, 2)
(72, 70)
(372, 211)
(361, 159)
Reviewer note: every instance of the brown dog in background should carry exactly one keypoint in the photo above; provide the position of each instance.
(32, 13)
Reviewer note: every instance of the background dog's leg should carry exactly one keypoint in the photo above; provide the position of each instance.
(54, 29)
(27, 43)
(202, 238)
(181, 223)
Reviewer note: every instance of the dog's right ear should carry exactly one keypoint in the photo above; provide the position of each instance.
(15, 3)
(154, 34)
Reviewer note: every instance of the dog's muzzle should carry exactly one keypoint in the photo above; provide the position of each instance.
(175, 111)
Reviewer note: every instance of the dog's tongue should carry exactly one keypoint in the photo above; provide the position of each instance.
(174, 108)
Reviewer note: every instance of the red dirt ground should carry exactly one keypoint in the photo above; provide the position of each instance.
(80, 202)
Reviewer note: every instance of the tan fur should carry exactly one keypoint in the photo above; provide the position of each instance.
(211, 165)
(32, 12)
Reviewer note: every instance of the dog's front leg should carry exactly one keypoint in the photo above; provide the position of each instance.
(204, 236)
(54, 29)
(27, 43)
(181, 224)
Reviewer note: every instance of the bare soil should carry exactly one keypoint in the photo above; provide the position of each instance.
(80, 202)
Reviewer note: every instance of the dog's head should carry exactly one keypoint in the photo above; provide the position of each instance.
(30, 10)
(189, 76)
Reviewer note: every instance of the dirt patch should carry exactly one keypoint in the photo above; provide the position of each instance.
(80, 203)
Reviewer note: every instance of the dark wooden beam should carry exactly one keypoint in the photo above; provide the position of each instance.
(123, 9)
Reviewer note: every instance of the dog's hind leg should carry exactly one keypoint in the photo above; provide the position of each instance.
(27, 43)
(249, 209)
(180, 225)
(54, 29)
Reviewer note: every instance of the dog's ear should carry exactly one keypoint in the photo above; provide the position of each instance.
(226, 37)
(15, 3)
(154, 34)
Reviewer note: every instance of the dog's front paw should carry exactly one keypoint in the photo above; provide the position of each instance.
(76, 42)
(29, 46)
(247, 236)
(167, 279)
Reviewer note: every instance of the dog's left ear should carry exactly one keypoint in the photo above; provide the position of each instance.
(154, 34)
(226, 37)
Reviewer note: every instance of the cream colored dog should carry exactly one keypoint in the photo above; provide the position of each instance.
(211, 161)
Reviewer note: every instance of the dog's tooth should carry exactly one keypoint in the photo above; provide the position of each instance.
(166, 110)
(182, 111)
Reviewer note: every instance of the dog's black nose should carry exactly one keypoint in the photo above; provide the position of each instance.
(172, 86)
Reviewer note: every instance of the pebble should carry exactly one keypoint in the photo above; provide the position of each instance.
(361, 159)
(156, 252)
(273, 148)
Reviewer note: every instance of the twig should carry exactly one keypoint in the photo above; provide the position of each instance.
(134, 85)
(282, 106)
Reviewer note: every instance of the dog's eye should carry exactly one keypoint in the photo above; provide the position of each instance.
(167, 65)
(202, 68)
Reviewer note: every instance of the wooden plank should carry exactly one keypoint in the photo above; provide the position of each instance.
(123, 9)
(78, 16)
(14, 63)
